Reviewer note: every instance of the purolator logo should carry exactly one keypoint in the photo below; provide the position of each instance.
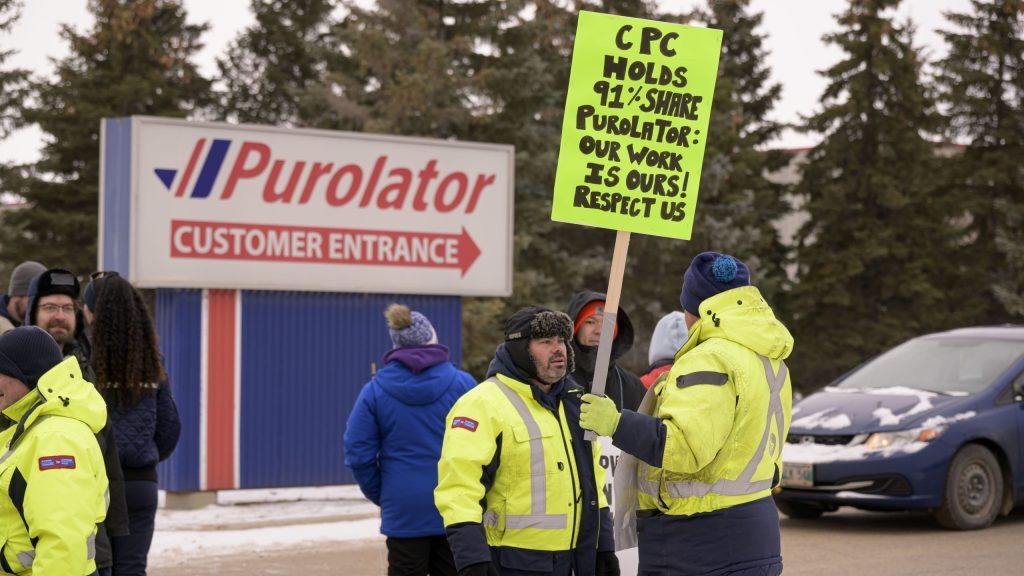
(386, 185)
(388, 182)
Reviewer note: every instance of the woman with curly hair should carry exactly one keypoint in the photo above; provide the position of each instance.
(131, 378)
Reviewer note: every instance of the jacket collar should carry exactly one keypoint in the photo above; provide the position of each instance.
(740, 315)
(15, 412)
(528, 390)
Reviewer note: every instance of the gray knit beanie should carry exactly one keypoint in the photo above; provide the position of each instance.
(409, 328)
(22, 277)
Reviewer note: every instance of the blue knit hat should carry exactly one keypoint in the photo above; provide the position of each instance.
(711, 273)
(409, 328)
(28, 352)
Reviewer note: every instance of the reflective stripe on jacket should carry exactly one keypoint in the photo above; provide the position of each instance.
(53, 485)
(532, 499)
(726, 407)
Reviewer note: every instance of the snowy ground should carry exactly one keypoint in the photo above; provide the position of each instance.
(264, 521)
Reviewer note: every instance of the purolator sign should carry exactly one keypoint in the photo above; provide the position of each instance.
(217, 205)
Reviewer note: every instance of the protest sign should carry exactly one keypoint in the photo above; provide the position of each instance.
(635, 126)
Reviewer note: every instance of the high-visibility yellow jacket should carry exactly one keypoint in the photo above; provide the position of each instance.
(712, 449)
(523, 471)
(53, 485)
(725, 408)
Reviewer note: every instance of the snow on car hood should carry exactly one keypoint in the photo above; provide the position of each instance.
(814, 453)
(841, 411)
(858, 413)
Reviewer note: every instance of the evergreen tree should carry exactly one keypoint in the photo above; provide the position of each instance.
(488, 71)
(12, 81)
(135, 60)
(275, 71)
(874, 256)
(982, 84)
(1009, 287)
(12, 87)
(404, 67)
(521, 86)
(738, 206)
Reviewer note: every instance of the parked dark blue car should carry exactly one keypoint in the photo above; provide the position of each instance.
(936, 423)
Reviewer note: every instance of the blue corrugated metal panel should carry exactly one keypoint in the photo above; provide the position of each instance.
(179, 320)
(117, 205)
(305, 356)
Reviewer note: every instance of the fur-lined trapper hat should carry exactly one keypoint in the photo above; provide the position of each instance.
(531, 323)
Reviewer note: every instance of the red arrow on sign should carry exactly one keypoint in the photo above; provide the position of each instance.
(241, 241)
(468, 251)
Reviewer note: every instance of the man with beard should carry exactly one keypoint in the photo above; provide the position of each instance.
(518, 486)
(14, 304)
(622, 386)
(52, 306)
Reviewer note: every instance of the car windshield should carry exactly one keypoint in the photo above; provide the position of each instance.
(944, 365)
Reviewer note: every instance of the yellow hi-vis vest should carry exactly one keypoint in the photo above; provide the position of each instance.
(726, 405)
(535, 499)
(53, 484)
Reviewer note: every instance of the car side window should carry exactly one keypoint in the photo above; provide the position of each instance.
(1014, 393)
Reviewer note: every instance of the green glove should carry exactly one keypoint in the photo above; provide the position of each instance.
(599, 414)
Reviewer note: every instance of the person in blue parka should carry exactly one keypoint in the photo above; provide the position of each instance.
(393, 442)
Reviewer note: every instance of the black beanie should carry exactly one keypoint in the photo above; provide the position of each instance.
(28, 352)
(57, 281)
(531, 323)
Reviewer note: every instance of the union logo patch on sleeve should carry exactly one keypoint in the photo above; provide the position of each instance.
(463, 422)
(57, 462)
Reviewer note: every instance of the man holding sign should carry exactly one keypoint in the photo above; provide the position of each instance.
(709, 437)
(519, 488)
(704, 449)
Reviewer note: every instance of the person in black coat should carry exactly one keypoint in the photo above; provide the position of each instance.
(587, 312)
(131, 378)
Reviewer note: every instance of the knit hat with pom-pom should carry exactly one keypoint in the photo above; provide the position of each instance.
(711, 273)
(409, 328)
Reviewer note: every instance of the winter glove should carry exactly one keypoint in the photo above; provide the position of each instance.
(607, 564)
(486, 569)
(599, 414)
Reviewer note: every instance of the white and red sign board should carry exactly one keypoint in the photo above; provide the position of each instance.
(216, 205)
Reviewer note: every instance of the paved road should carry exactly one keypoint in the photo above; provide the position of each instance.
(847, 543)
(863, 543)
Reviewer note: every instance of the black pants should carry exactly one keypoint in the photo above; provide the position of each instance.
(131, 551)
(420, 556)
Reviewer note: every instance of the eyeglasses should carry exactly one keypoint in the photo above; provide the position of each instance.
(103, 274)
(67, 309)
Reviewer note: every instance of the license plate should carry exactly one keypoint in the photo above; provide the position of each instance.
(797, 475)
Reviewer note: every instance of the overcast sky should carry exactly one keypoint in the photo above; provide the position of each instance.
(793, 27)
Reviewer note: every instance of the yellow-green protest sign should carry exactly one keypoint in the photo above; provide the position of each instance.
(636, 121)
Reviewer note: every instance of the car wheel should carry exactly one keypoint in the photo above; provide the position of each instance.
(974, 490)
(798, 510)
